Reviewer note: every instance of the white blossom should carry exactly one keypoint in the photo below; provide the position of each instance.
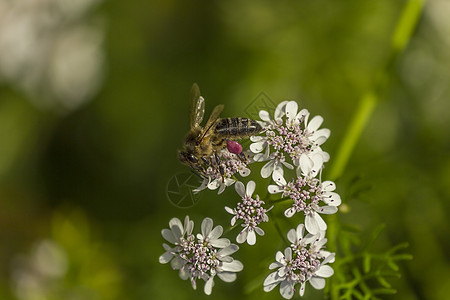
(200, 257)
(304, 260)
(250, 211)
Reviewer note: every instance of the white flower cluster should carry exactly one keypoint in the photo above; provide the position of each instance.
(304, 260)
(290, 139)
(200, 257)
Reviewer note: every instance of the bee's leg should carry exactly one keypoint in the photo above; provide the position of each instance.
(219, 166)
(243, 157)
(206, 161)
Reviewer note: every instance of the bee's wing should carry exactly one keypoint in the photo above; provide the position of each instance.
(212, 120)
(197, 109)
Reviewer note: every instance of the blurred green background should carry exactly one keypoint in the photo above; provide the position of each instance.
(94, 105)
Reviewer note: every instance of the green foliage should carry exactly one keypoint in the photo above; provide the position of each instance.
(361, 272)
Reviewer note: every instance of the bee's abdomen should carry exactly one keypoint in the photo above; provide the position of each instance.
(237, 127)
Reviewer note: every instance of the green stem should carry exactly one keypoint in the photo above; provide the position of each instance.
(400, 37)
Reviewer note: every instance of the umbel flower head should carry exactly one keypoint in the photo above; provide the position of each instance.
(307, 194)
(250, 211)
(304, 260)
(200, 257)
(229, 165)
(289, 135)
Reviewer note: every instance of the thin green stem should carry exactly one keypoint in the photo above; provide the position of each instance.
(279, 200)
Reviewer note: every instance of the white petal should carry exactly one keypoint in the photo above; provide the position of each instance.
(261, 157)
(288, 253)
(220, 243)
(234, 266)
(209, 285)
(328, 186)
(315, 123)
(311, 224)
(269, 287)
(228, 250)
(306, 164)
(286, 290)
(229, 210)
(280, 110)
(279, 257)
(317, 282)
(250, 188)
(177, 228)
(202, 186)
(167, 247)
(188, 225)
(280, 179)
(273, 189)
(292, 236)
(213, 185)
(278, 173)
(328, 258)
(240, 188)
(274, 265)
(264, 115)
(318, 140)
(267, 169)
(302, 289)
(259, 231)
(227, 276)
(301, 114)
(215, 233)
(168, 235)
(177, 263)
(244, 172)
(242, 236)
(207, 225)
(325, 271)
(320, 222)
(325, 156)
(327, 210)
(226, 259)
(290, 212)
(300, 231)
(257, 138)
(233, 220)
(222, 188)
(165, 257)
(291, 110)
(257, 147)
(332, 198)
(271, 278)
(288, 165)
(184, 274)
(321, 133)
(251, 237)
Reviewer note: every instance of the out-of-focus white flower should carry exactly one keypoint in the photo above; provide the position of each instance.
(35, 274)
(200, 257)
(290, 134)
(307, 193)
(220, 175)
(250, 211)
(303, 261)
(49, 50)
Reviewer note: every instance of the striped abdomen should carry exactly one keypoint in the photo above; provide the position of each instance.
(237, 127)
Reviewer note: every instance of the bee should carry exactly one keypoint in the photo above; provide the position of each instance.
(202, 144)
